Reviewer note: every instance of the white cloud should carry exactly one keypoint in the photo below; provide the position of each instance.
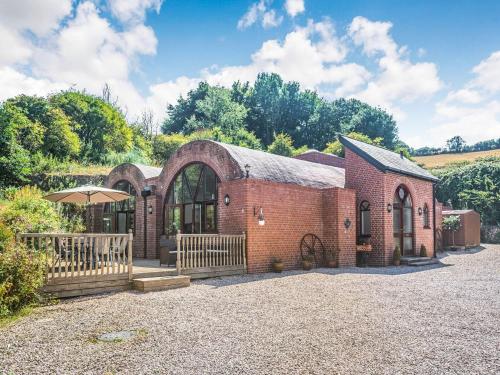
(398, 79)
(488, 73)
(133, 10)
(38, 16)
(294, 7)
(473, 112)
(260, 12)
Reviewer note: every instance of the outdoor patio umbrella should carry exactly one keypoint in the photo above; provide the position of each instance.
(87, 194)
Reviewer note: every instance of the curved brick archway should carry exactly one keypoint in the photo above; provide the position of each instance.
(207, 152)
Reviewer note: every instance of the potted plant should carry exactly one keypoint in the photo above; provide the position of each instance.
(331, 260)
(307, 262)
(423, 251)
(277, 265)
(396, 256)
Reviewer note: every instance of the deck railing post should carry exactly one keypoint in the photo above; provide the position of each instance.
(178, 253)
(129, 254)
(244, 251)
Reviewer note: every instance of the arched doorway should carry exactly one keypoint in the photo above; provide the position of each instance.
(402, 219)
(191, 204)
(119, 217)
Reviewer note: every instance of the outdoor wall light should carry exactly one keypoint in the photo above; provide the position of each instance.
(150, 209)
(420, 211)
(389, 207)
(247, 170)
(261, 217)
(227, 200)
(347, 223)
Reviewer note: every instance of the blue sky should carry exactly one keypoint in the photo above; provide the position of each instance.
(435, 65)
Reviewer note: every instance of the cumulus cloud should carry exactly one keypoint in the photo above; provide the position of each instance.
(133, 10)
(398, 79)
(473, 111)
(260, 12)
(294, 7)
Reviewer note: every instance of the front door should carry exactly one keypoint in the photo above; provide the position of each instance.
(402, 219)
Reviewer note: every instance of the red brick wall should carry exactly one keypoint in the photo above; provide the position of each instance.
(290, 212)
(322, 158)
(378, 188)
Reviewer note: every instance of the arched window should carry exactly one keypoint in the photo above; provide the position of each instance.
(191, 205)
(119, 217)
(427, 223)
(365, 221)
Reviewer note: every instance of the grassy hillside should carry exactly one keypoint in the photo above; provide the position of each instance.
(436, 161)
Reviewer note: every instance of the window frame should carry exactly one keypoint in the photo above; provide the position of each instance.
(111, 211)
(171, 201)
(426, 217)
(365, 206)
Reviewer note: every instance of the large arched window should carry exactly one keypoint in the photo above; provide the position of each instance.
(365, 220)
(402, 220)
(119, 217)
(191, 205)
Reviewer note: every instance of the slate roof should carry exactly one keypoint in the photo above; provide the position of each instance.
(456, 212)
(386, 160)
(276, 168)
(148, 171)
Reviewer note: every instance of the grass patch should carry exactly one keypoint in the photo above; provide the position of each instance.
(11, 319)
(436, 161)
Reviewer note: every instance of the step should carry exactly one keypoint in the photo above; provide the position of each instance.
(423, 263)
(411, 259)
(149, 284)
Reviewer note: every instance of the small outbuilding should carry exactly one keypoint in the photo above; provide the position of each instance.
(469, 234)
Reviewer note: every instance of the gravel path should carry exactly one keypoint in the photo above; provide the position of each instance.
(432, 320)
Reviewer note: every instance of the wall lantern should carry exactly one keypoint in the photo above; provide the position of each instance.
(420, 211)
(389, 207)
(247, 170)
(261, 217)
(227, 200)
(347, 223)
(150, 209)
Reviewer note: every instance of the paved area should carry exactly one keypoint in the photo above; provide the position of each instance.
(442, 319)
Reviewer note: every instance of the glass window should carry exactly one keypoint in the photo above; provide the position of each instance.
(427, 223)
(365, 221)
(119, 217)
(192, 201)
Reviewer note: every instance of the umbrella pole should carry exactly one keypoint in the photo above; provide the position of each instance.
(89, 229)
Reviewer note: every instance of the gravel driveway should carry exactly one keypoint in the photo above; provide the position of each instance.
(430, 320)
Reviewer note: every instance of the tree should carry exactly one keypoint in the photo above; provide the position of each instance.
(337, 148)
(282, 145)
(100, 126)
(455, 144)
(452, 223)
(164, 146)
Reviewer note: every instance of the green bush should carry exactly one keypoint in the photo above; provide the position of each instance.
(423, 251)
(29, 212)
(165, 145)
(22, 275)
(397, 254)
(6, 236)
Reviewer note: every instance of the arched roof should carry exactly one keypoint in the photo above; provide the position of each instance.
(276, 168)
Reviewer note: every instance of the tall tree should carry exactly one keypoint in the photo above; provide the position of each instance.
(455, 144)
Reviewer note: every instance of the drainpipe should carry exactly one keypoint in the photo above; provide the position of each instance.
(434, 217)
(146, 193)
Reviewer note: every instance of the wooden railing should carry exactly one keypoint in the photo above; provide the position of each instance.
(210, 250)
(71, 255)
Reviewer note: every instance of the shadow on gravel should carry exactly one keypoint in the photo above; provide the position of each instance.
(250, 278)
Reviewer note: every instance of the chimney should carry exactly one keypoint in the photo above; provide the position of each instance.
(401, 154)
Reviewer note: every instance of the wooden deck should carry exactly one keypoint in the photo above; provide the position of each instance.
(86, 263)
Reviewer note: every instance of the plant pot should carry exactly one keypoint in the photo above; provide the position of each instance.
(331, 263)
(278, 267)
(307, 265)
(397, 262)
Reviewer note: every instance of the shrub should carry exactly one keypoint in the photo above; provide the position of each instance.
(423, 251)
(165, 145)
(452, 223)
(6, 236)
(22, 275)
(397, 254)
(29, 212)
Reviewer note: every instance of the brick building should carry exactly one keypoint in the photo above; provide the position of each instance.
(372, 196)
